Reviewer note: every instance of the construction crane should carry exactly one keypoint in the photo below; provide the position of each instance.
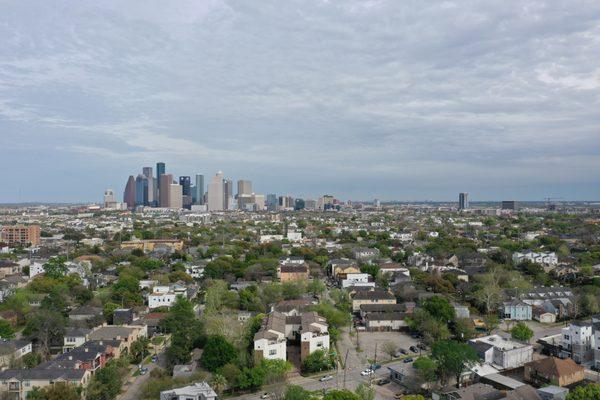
(550, 204)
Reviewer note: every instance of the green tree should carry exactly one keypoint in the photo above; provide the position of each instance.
(413, 397)
(452, 358)
(389, 348)
(6, 330)
(55, 268)
(217, 352)
(426, 369)
(106, 383)
(317, 361)
(109, 310)
(58, 391)
(587, 392)
(295, 392)
(45, 328)
(218, 383)
(365, 392)
(138, 350)
(439, 308)
(521, 332)
(340, 395)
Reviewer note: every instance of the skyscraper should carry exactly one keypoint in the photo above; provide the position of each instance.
(244, 187)
(199, 189)
(175, 195)
(141, 190)
(272, 202)
(215, 193)
(186, 185)
(109, 198)
(463, 201)
(129, 193)
(165, 182)
(509, 205)
(227, 194)
(147, 172)
(160, 170)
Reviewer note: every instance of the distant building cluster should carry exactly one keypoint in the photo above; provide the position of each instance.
(163, 190)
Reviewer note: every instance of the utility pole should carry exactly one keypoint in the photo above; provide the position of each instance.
(346, 366)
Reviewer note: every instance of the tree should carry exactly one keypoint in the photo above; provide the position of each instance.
(109, 311)
(521, 332)
(217, 352)
(439, 308)
(588, 392)
(6, 330)
(106, 383)
(426, 369)
(58, 391)
(389, 348)
(341, 395)
(413, 397)
(218, 383)
(55, 268)
(464, 329)
(138, 350)
(452, 358)
(317, 361)
(316, 287)
(491, 322)
(295, 392)
(365, 392)
(45, 328)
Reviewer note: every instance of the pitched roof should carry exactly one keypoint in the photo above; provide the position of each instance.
(555, 367)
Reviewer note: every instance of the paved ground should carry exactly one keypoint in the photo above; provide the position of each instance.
(370, 340)
(132, 388)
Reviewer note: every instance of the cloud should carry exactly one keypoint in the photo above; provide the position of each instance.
(348, 96)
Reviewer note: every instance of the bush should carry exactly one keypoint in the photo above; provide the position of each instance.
(317, 361)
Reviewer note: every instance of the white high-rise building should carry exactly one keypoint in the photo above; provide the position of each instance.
(109, 198)
(215, 193)
(175, 196)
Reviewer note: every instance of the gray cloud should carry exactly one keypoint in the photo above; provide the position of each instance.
(388, 99)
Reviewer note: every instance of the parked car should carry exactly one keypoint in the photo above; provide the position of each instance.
(414, 349)
(154, 359)
(403, 351)
(326, 378)
(407, 360)
(383, 381)
(367, 372)
(264, 396)
(375, 367)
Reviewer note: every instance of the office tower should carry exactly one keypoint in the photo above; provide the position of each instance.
(244, 200)
(147, 172)
(109, 199)
(199, 189)
(509, 205)
(310, 204)
(129, 193)
(215, 193)
(271, 202)
(163, 195)
(328, 202)
(244, 187)
(286, 203)
(141, 190)
(259, 201)
(160, 170)
(186, 185)
(175, 195)
(227, 194)
(20, 234)
(463, 201)
(299, 204)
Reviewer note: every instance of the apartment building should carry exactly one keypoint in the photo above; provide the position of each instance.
(578, 342)
(21, 234)
(502, 353)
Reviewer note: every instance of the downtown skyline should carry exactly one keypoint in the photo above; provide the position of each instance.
(358, 99)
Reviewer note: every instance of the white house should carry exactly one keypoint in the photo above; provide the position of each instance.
(364, 280)
(578, 342)
(547, 259)
(270, 340)
(502, 353)
(164, 296)
(197, 391)
(36, 269)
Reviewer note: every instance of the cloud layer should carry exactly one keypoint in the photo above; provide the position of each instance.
(390, 99)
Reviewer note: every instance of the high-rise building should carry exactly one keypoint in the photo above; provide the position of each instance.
(199, 190)
(244, 187)
(227, 194)
(175, 196)
(186, 185)
(463, 201)
(272, 202)
(141, 191)
(147, 172)
(109, 198)
(164, 195)
(259, 200)
(215, 193)
(160, 170)
(299, 204)
(129, 193)
(20, 234)
(286, 203)
(509, 205)
(328, 202)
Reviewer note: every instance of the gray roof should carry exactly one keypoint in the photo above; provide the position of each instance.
(41, 374)
(10, 346)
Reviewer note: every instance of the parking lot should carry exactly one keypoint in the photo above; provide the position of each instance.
(369, 340)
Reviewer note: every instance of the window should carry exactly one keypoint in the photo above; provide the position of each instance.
(272, 352)
(320, 344)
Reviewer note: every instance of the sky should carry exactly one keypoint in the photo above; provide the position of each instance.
(395, 100)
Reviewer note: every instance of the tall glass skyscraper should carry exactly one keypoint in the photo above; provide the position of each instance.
(186, 183)
(199, 189)
(160, 170)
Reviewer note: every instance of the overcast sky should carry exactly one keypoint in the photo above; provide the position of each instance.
(404, 100)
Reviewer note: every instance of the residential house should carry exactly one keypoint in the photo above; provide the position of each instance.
(292, 273)
(363, 280)
(553, 392)
(554, 371)
(541, 315)
(339, 268)
(548, 260)
(516, 310)
(85, 313)
(376, 296)
(502, 353)
(577, 342)
(19, 382)
(197, 391)
(365, 254)
(12, 350)
(75, 337)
